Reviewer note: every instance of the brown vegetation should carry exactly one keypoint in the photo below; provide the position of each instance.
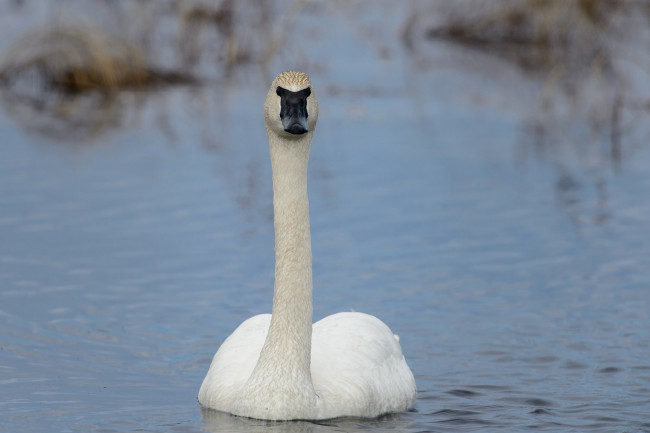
(74, 60)
(586, 54)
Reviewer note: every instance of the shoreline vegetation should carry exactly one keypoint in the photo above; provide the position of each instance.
(588, 56)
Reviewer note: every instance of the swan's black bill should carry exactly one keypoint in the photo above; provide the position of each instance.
(293, 109)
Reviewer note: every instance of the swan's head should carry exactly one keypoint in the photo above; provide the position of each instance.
(291, 109)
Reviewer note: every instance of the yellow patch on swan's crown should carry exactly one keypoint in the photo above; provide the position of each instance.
(293, 80)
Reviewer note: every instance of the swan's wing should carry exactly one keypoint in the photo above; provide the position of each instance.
(233, 363)
(358, 367)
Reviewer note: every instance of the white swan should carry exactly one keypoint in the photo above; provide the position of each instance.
(278, 366)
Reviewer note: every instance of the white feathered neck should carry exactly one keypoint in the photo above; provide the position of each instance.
(290, 332)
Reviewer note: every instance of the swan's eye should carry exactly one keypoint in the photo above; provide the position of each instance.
(282, 92)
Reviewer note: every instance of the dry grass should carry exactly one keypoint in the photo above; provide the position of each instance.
(537, 34)
(66, 83)
(584, 67)
(69, 78)
(586, 54)
(208, 39)
(74, 60)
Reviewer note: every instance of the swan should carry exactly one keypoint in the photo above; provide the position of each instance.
(279, 366)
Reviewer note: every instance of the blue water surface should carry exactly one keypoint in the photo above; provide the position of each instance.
(518, 280)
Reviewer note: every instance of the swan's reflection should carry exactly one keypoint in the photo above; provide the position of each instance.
(214, 421)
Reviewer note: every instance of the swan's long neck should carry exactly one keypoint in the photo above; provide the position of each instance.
(290, 331)
(283, 368)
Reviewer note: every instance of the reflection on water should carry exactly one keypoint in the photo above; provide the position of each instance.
(222, 422)
(588, 108)
(441, 178)
(587, 98)
(67, 84)
(64, 119)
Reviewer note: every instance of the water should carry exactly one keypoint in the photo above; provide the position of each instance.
(517, 279)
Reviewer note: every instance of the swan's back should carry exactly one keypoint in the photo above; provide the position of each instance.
(358, 368)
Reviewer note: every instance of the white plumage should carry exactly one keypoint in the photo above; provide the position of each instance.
(279, 366)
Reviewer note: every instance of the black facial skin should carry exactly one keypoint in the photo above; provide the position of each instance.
(293, 109)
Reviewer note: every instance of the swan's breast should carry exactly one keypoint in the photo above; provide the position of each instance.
(233, 363)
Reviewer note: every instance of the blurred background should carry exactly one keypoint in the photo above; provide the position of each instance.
(478, 180)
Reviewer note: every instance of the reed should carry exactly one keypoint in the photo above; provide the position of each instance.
(79, 59)
(537, 34)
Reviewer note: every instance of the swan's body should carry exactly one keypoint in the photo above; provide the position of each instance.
(279, 366)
